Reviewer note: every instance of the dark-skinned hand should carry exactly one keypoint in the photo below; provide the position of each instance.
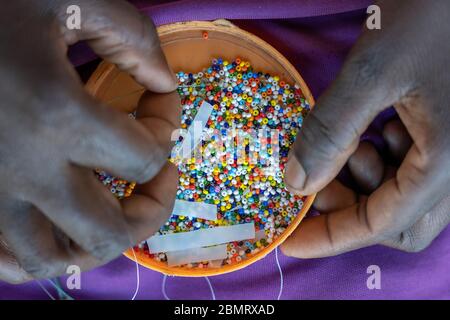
(404, 64)
(53, 211)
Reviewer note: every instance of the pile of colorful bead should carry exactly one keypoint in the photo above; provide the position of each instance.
(243, 192)
(120, 188)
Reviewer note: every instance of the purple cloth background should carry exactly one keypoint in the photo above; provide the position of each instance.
(315, 35)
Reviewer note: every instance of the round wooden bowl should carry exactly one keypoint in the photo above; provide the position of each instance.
(190, 47)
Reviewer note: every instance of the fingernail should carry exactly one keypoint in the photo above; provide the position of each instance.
(294, 176)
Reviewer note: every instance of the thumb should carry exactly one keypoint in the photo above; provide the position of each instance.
(117, 32)
(331, 131)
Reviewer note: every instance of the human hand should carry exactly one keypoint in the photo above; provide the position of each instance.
(404, 64)
(53, 211)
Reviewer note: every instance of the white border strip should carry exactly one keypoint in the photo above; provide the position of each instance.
(194, 134)
(191, 209)
(177, 258)
(201, 238)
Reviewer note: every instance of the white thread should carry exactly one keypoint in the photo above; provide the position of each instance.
(45, 290)
(211, 288)
(60, 291)
(71, 298)
(137, 276)
(281, 274)
(163, 288)
(234, 209)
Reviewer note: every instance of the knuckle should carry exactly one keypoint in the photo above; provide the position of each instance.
(364, 67)
(58, 108)
(18, 279)
(413, 248)
(148, 34)
(330, 144)
(411, 177)
(147, 168)
(40, 268)
(107, 246)
(140, 33)
(411, 242)
(142, 37)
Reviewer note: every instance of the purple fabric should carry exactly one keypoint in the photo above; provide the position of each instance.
(315, 35)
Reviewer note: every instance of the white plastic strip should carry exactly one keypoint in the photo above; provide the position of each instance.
(216, 263)
(194, 134)
(176, 258)
(201, 238)
(191, 209)
(260, 234)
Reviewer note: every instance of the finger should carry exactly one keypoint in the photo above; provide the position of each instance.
(398, 140)
(394, 206)
(422, 233)
(116, 31)
(100, 136)
(89, 207)
(78, 204)
(40, 249)
(93, 135)
(10, 270)
(366, 167)
(333, 197)
(160, 114)
(112, 141)
(104, 138)
(152, 203)
(331, 131)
